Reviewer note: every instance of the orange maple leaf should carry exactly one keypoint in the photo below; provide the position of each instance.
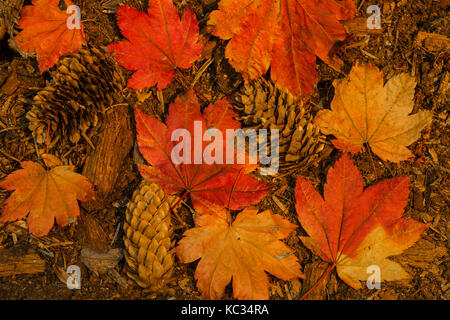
(45, 195)
(354, 228)
(158, 43)
(239, 251)
(213, 182)
(365, 111)
(45, 31)
(284, 34)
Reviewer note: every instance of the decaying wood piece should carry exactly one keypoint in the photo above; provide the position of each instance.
(15, 261)
(103, 164)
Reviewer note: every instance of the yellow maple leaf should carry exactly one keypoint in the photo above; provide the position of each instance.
(365, 111)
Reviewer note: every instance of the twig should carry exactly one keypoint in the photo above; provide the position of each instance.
(115, 235)
(116, 105)
(202, 70)
(9, 156)
(58, 244)
(88, 140)
(361, 4)
(9, 129)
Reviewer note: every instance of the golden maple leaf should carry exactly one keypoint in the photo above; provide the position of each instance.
(238, 251)
(365, 111)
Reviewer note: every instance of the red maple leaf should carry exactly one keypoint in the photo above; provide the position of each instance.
(158, 43)
(354, 228)
(213, 182)
(284, 34)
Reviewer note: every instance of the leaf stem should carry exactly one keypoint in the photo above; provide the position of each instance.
(318, 281)
(185, 193)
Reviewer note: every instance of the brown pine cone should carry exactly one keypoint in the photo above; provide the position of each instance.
(264, 105)
(83, 86)
(147, 239)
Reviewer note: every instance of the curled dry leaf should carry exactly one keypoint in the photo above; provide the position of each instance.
(354, 228)
(213, 182)
(46, 32)
(45, 195)
(286, 35)
(365, 111)
(239, 251)
(158, 43)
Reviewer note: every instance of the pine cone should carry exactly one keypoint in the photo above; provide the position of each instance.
(83, 86)
(148, 234)
(264, 105)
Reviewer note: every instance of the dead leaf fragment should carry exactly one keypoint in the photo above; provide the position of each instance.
(432, 42)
